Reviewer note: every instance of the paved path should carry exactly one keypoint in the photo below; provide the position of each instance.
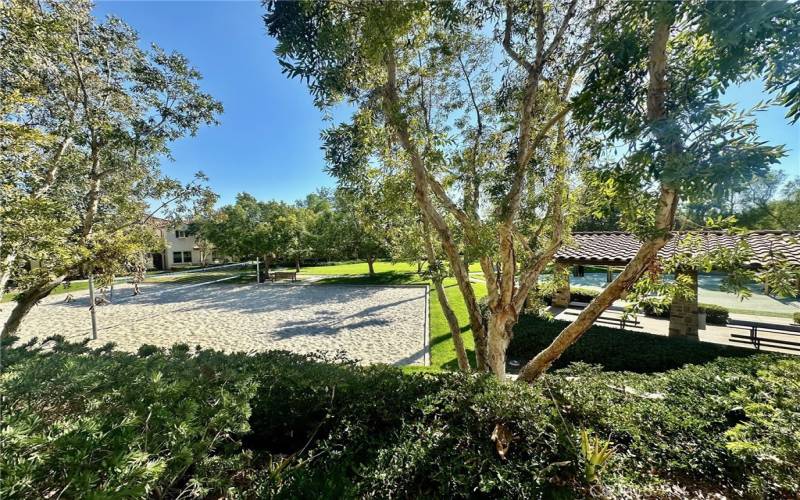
(373, 324)
(713, 333)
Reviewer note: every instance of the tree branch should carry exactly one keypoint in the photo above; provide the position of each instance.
(516, 56)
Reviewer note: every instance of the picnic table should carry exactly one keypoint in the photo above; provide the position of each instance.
(283, 275)
(788, 335)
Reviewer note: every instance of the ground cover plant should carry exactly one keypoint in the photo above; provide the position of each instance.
(182, 422)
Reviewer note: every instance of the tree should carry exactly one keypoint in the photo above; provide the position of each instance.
(659, 94)
(362, 225)
(396, 62)
(248, 229)
(390, 60)
(91, 114)
(731, 200)
(778, 213)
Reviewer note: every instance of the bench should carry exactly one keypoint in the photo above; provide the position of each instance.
(634, 322)
(283, 275)
(774, 328)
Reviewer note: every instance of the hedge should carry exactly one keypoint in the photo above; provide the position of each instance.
(185, 423)
(715, 315)
(576, 294)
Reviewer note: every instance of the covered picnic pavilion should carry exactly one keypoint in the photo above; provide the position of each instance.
(614, 249)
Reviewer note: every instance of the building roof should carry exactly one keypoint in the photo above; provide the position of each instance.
(617, 248)
(158, 222)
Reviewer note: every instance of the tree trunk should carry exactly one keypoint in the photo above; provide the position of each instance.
(452, 320)
(267, 265)
(370, 261)
(297, 264)
(665, 213)
(5, 276)
(25, 302)
(400, 125)
(497, 343)
(92, 204)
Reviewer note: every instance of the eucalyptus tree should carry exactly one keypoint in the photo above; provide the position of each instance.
(388, 187)
(658, 71)
(395, 61)
(91, 115)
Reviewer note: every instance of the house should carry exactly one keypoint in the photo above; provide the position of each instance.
(179, 247)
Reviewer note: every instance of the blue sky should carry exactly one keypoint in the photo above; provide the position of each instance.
(268, 141)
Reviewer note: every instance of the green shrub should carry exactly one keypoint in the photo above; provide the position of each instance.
(147, 350)
(796, 317)
(576, 294)
(580, 294)
(729, 421)
(715, 315)
(615, 350)
(81, 423)
(85, 422)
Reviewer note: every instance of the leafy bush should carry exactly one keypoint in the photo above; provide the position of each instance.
(796, 317)
(715, 315)
(84, 422)
(576, 294)
(580, 294)
(729, 421)
(79, 423)
(615, 350)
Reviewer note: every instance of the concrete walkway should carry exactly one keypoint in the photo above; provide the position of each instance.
(716, 334)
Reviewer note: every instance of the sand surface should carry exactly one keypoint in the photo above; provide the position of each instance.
(372, 324)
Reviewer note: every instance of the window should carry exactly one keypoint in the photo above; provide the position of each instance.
(187, 257)
(177, 257)
(179, 233)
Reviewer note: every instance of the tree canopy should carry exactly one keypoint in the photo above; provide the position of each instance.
(503, 113)
(87, 116)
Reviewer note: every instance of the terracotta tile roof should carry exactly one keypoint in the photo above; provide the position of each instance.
(618, 248)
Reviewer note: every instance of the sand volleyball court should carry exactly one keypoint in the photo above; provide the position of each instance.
(374, 324)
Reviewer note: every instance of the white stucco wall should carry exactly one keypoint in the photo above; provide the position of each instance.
(186, 243)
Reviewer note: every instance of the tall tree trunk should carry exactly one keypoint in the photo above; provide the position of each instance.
(665, 212)
(400, 125)
(444, 303)
(370, 262)
(297, 264)
(25, 302)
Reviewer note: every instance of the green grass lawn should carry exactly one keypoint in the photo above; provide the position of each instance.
(349, 268)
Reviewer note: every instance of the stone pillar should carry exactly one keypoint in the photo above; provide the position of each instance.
(683, 311)
(561, 277)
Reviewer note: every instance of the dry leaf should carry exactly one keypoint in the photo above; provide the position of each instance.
(502, 438)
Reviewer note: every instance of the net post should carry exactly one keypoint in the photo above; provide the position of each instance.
(92, 306)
